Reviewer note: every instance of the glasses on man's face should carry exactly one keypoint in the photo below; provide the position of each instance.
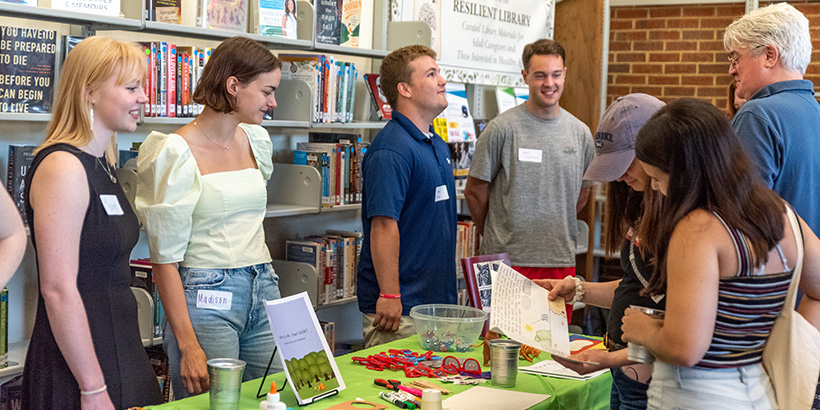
(734, 56)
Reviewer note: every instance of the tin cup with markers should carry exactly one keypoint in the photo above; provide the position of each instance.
(636, 352)
(226, 381)
(504, 361)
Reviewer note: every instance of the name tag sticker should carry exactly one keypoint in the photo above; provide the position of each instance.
(529, 155)
(111, 204)
(441, 193)
(213, 299)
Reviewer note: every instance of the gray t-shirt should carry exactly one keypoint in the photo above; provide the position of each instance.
(535, 168)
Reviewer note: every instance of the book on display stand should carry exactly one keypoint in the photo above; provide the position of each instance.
(307, 359)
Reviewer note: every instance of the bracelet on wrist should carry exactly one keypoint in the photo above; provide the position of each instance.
(91, 392)
(390, 295)
(579, 290)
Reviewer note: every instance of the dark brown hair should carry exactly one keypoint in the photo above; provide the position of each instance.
(544, 47)
(238, 57)
(692, 141)
(625, 208)
(732, 108)
(395, 69)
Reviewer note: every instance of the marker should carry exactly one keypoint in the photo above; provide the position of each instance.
(394, 401)
(415, 392)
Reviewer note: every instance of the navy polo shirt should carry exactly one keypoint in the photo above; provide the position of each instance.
(406, 177)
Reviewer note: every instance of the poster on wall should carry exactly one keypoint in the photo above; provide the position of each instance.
(480, 41)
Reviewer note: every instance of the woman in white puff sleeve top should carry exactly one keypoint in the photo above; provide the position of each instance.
(201, 194)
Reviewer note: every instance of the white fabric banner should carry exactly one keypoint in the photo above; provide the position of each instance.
(480, 41)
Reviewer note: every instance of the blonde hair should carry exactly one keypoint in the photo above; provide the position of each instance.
(87, 67)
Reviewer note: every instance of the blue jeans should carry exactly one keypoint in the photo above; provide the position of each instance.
(242, 332)
(627, 394)
(675, 387)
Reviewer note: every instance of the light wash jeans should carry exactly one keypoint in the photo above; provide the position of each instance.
(242, 332)
(679, 388)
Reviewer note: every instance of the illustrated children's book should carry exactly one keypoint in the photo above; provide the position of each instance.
(522, 311)
(308, 361)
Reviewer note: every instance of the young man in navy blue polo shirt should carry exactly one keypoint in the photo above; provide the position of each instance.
(408, 207)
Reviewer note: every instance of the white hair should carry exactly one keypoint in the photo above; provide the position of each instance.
(779, 25)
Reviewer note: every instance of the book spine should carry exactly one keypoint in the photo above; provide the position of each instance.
(186, 85)
(179, 85)
(171, 78)
(162, 68)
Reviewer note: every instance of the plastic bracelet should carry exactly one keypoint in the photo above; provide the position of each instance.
(90, 392)
(579, 290)
(390, 295)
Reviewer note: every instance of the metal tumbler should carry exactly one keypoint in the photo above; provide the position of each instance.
(226, 383)
(504, 361)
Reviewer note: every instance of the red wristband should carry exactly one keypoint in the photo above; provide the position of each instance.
(390, 296)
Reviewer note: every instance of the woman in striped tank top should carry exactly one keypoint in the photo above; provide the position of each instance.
(725, 252)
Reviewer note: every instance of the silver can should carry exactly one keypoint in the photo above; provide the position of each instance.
(226, 383)
(636, 352)
(504, 361)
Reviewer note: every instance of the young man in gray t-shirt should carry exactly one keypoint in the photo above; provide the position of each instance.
(525, 184)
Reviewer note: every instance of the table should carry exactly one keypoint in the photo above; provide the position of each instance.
(565, 394)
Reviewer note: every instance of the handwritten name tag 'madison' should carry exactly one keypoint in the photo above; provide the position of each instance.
(213, 299)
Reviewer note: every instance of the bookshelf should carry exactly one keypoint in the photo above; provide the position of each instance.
(293, 208)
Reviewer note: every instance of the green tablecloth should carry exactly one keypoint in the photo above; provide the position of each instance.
(566, 394)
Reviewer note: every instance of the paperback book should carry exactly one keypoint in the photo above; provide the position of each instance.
(382, 108)
(164, 11)
(20, 159)
(351, 20)
(27, 57)
(328, 21)
(223, 15)
(311, 371)
(273, 18)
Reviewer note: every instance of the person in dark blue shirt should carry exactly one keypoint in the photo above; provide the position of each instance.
(408, 206)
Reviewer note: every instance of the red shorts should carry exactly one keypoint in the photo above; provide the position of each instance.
(548, 273)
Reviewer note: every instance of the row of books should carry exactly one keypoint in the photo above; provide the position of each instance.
(466, 240)
(338, 159)
(335, 255)
(332, 83)
(173, 74)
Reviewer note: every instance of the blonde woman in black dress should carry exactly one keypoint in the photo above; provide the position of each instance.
(85, 350)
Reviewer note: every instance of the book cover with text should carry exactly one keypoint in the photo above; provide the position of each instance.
(27, 57)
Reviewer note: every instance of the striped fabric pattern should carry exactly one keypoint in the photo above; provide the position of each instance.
(747, 307)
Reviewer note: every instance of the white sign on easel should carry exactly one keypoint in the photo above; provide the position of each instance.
(308, 361)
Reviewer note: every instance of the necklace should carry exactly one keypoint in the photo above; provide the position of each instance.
(105, 168)
(209, 138)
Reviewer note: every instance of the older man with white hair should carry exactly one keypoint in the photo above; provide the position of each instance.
(769, 50)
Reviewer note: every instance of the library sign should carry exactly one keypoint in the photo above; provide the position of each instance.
(481, 41)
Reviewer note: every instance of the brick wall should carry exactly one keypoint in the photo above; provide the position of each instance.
(677, 51)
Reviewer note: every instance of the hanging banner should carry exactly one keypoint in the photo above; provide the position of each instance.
(480, 41)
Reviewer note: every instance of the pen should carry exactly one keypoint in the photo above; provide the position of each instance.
(394, 401)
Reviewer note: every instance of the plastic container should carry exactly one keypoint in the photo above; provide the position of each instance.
(447, 328)
(272, 401)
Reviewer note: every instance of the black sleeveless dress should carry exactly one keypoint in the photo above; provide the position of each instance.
(103, 281)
